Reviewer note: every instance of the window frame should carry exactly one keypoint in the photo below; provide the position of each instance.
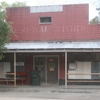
(45, 22)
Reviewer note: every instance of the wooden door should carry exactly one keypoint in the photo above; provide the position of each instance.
(52, 70)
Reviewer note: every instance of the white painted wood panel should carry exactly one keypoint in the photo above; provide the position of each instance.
(71, 76)
(82, 67)
(87, 69)
(4, 67)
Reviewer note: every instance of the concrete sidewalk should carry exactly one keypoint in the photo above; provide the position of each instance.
(52, 88)
(50, 92)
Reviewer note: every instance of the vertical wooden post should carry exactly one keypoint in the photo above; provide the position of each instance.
(46, 70)
(65, 69)
(14, 69)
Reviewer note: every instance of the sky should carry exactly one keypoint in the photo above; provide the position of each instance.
(92, 4)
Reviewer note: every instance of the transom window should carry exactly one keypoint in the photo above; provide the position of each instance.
(45, 20)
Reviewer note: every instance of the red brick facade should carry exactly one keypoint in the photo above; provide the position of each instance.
(69, 25)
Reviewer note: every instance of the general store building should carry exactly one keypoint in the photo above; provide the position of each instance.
(56, 40)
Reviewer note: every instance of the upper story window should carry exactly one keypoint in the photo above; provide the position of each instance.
(45, 20)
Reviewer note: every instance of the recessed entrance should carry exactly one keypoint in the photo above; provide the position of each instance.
(48, 67)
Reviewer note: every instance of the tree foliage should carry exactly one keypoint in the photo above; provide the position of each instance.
(5, 27)
(95, 20)
(18, 4)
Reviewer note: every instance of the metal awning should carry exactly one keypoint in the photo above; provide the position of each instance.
(53, 45)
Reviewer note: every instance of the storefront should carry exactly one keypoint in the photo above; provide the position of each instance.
(58, 63)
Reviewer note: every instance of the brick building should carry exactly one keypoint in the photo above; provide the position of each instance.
(55, 40)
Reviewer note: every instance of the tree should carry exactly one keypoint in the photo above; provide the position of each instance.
(5, 27)
(95, 20)
(18, 4)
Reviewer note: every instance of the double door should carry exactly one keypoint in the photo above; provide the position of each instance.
(48, 67)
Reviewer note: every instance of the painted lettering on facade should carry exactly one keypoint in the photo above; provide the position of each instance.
(46, 29)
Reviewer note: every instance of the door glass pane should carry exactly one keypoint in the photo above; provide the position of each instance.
(40, 65)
